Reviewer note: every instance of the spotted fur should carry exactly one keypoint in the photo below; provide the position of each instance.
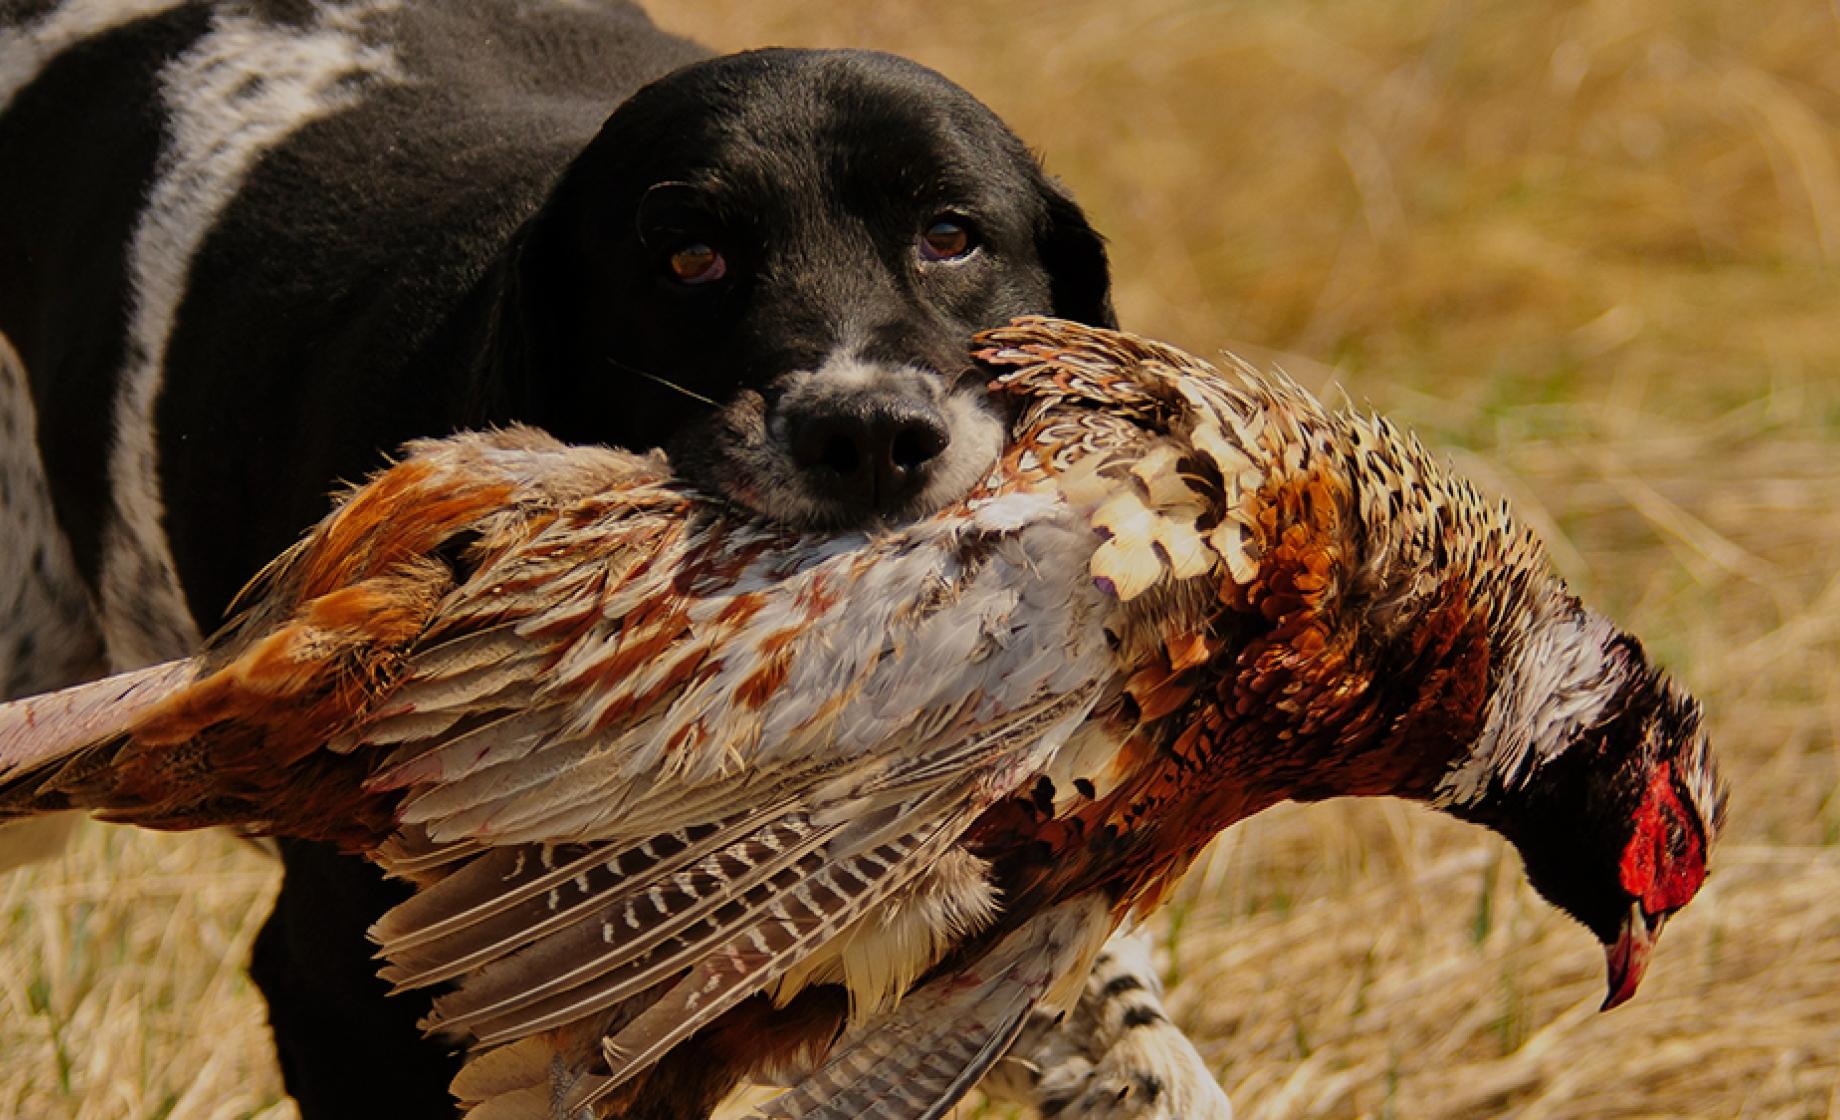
(48, 624)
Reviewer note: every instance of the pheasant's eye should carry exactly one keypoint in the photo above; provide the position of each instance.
(697, 263)
(947, 239)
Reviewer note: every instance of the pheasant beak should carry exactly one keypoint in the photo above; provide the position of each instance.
(1628, 955)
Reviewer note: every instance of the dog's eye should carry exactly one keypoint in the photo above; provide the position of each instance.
(697, 263)
(946, 239)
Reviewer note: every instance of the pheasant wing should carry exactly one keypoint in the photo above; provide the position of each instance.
(689, 923)
(679, 879)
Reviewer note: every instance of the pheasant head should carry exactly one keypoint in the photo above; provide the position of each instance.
(1601, 774)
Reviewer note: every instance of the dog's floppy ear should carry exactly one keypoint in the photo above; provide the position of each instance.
(1073, 253)
(535, 353)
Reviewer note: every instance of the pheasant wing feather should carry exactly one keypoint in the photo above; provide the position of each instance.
(916, 1060)
(545, 944)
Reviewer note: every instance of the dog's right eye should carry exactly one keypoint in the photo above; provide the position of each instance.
(946, 239)
(696, 263)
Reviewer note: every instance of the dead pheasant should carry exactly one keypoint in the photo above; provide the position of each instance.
(847, 808)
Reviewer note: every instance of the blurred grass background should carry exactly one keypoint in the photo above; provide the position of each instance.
(1589, 248)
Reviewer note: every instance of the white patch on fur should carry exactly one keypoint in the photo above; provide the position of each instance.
(48, 635)
(780, 490)
(977, 440)
(26, 50)
(239, 91)
(1556, 685)
(843, 371)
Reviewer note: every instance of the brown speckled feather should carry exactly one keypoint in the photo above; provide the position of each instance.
(853, 805)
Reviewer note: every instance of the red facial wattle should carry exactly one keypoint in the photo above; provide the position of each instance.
(1665, 861)
(1662, 869)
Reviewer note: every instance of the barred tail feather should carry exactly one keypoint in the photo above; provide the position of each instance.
(39, 734)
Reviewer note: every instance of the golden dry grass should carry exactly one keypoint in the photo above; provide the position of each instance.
(1590, 248)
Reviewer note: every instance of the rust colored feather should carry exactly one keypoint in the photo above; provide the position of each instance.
(670, 778)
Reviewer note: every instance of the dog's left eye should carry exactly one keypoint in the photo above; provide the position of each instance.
(947, 239)
(697, 263)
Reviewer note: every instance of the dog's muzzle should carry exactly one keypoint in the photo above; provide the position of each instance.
(871, 451)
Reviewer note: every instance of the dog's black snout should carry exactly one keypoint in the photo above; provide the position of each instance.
(872, 452)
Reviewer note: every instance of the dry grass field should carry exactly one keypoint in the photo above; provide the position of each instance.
(1590, 248)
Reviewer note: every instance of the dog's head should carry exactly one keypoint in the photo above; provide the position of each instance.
(771, 264)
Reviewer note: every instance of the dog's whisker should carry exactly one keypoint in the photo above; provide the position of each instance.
(666, 382)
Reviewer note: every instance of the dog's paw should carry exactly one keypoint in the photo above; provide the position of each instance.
(1151, 1072)
(1116, 1056)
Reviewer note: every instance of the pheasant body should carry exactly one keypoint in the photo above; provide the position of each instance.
(664, 771)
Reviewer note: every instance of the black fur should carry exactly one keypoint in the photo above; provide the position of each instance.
(480, 243)
(64, 286)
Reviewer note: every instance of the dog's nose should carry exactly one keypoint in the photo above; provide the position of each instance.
(870, 451)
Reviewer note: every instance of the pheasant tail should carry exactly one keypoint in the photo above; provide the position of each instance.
(42, 736)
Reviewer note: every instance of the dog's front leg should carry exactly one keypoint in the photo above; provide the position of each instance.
(1116, 1056)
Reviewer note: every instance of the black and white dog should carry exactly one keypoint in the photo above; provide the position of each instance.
(248, 248)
